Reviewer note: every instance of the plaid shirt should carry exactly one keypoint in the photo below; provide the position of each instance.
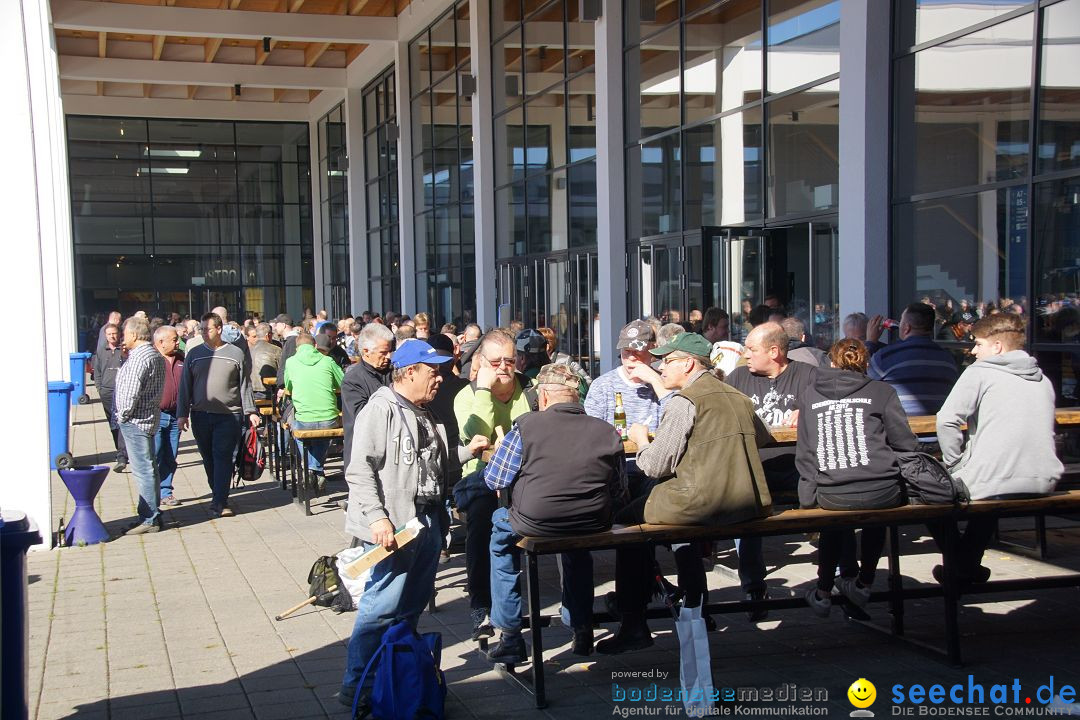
(139, 385)
(505, 464)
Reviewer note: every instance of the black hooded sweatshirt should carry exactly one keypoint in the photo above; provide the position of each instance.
(850, 428)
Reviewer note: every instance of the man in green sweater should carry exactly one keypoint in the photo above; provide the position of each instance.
(313, 380)
(494, 400)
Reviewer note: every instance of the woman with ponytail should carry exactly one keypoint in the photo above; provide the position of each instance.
(850, 428)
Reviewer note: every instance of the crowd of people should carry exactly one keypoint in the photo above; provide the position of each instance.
(419, 408)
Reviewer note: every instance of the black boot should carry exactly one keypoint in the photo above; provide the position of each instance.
(633, 634)
(583, 642)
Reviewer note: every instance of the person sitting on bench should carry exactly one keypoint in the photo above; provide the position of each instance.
(557, 472)
(708, 472)
(1007, 403)
(849, 432)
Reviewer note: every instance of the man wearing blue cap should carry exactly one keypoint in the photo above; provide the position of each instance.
(399, 460)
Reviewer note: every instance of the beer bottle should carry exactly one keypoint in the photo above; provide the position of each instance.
(620, 416)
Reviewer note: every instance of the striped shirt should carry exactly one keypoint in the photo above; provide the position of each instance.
(639, 400)
(139, 385)
(921, 371)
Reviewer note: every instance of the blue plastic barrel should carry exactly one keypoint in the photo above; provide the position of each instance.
(17, 534)
(59, 415)
(78, 377)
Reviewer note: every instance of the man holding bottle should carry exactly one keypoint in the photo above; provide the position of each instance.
(639, 387)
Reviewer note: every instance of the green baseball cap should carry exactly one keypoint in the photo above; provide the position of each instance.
(687, 342)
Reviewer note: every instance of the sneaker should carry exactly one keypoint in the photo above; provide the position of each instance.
(981, 574)
(482, 627)
(444, 557)
(509, 651)
(762, 613)
(227, 512)
(853, 591)
(820, 605)
(583, 642)
(169, 501)
(143, 529)
(120, 466)
(320, 484)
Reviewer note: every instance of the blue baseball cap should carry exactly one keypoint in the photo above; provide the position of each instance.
(416, 351)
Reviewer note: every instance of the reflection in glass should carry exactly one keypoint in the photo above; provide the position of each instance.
(921, 21)
(962, 110)
(656, 166)
(1063, 370)
(1057, 271)
(959, 252)
(804, 142)
(824, 316)
(380, 160)
(722, 50)
(803, 42)
(1059, 107)
(652, 74)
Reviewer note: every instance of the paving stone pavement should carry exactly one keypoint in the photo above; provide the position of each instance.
(180, 624)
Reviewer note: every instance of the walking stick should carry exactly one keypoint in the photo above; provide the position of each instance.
(304, 604)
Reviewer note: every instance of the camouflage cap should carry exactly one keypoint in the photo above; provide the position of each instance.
(557, 374)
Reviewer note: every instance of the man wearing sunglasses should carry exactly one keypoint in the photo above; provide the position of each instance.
(497, 397)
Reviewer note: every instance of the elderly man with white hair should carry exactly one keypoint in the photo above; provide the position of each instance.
(362, 379)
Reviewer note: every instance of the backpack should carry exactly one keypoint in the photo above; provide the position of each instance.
(323, 576)
(408, 681)
(251, 460)
(926, 481)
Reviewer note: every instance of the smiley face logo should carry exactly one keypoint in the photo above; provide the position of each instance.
(862, 693)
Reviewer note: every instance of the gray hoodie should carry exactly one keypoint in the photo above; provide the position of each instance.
(382, 472)
(1008, 405)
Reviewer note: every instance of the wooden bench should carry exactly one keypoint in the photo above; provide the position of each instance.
(792, 522)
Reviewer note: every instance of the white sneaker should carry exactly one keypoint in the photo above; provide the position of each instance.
(850, 588)
(821, 606)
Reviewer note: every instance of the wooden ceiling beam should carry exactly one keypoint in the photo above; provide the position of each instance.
(313, 52)
(191, 91)
(212, 47)
(146, 89)
(278, 94)
(295, 5)
(352, 53)
(102, 43)
(159, 45)
(260, 54)
(100, 88)
(355, 6)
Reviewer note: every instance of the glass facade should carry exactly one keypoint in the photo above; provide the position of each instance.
(183, 215)
(334, 194)
(986, 167)
(732, 132)
(443, 170)
(381, 183)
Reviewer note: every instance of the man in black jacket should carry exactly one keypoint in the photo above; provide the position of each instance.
(365, 377)
(558, 472)
(106, 364)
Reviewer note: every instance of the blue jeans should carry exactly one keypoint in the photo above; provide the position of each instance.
(217, 436)
(751, 564)
(140, 448)
(167, 444)
(316, 449)
(576, 569)
(398, 588)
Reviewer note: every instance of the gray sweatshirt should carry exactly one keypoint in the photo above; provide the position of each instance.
(1008, 405)
(383, 471)
(216, 381)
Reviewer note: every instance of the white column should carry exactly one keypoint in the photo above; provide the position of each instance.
(483, 163)
(864, 156)
(610, 179)
(406, 221)
(33, 193)
(317, 178)
(359, 287)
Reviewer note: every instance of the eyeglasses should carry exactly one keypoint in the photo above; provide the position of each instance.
(495, 362)
(669, 359)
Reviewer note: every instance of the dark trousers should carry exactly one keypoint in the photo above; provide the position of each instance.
(217, 436)
(635, 576)
(477, 549)
(114, 426)
(837, 548)
(968, 546)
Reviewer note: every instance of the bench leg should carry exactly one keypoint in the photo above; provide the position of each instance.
(951, 597)
(305, 484)
(535, 625)
(896, 582)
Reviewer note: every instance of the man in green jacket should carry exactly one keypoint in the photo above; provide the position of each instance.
(313, 380)
(494, 400)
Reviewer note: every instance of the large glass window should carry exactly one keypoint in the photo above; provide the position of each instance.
(333, 172)
(987, 182)
(442, 168)
(381, 179)
(182, 215)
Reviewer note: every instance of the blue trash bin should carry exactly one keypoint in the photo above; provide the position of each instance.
(59, 415)
(17, 534)
(78, 377)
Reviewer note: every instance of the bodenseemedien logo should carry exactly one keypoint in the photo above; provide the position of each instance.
(862, 695)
